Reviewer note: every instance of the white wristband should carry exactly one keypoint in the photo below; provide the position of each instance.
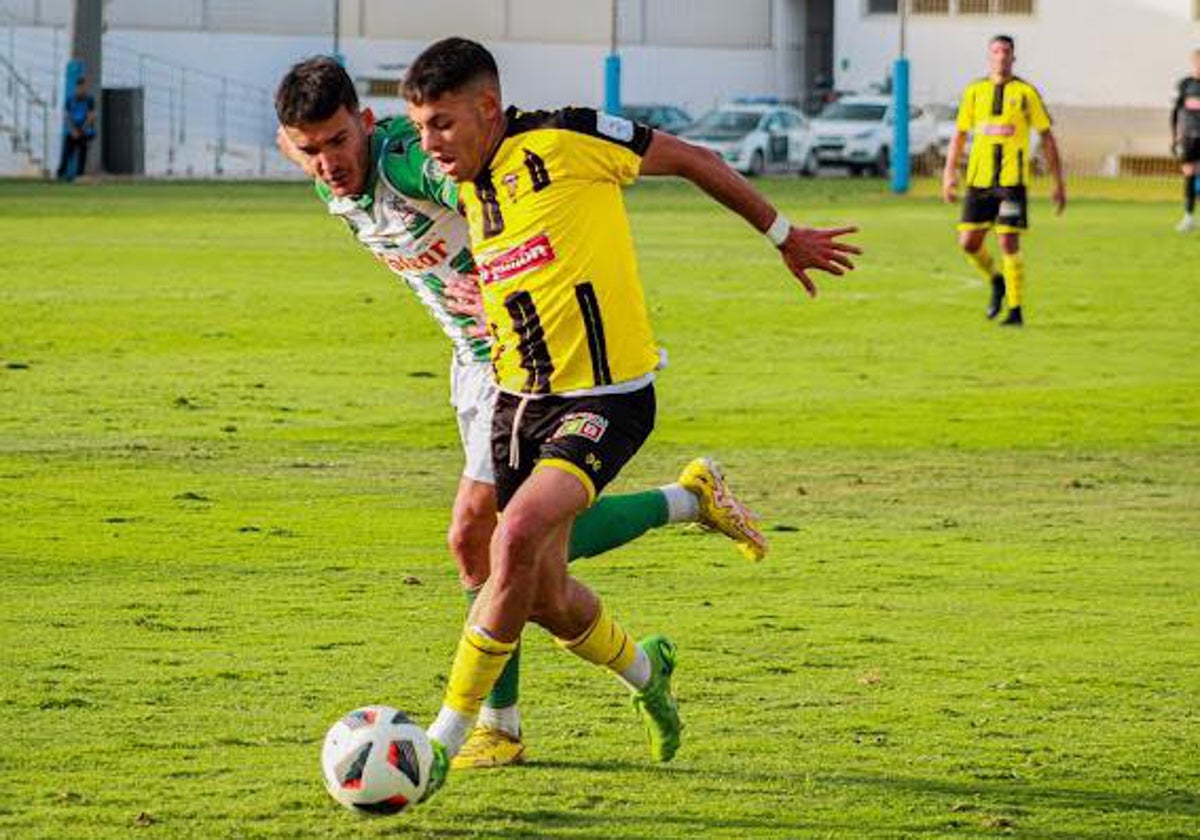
(779, 230)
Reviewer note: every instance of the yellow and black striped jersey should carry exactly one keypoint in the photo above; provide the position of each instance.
(555, 254)
(999, 118)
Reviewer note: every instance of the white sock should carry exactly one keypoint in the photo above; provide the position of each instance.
(507, 720)
(637, 675)
(451, 730)
(682, 504)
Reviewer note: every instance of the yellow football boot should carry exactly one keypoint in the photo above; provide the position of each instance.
(489, 748)
(720, 509)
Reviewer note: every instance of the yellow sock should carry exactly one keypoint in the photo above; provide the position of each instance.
(604, 644)
(1014, 278)
(477, 665)
(982, 261)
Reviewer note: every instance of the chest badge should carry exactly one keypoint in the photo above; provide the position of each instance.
(511, 183)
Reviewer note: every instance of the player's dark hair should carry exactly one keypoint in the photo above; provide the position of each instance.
(1004, 39)
(446, 67)
(314, 90)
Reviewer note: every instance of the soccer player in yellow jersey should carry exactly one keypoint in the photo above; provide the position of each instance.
(998, 112)
(573, 354)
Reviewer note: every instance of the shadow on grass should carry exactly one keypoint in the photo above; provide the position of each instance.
(1031, 794)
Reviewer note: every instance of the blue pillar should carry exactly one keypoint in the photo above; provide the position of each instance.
(900, 156)
(612, 84)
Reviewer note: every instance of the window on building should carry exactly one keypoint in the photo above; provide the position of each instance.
(929, 7)
(974, 7)
(1014, 7)
(886, 7)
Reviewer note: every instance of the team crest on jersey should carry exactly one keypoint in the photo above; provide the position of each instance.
(582, 424)
(511, 182)
(527, 256)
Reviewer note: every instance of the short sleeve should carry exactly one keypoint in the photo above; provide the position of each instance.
(1039, 118)
(595, 145)
(963, 121)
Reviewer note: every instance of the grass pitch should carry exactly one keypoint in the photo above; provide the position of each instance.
(226, 462)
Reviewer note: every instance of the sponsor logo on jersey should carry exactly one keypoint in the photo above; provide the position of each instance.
(1192, 103)
(530, 254)
(998, 130)
(582, 424)
(618, 128)
(431, 257)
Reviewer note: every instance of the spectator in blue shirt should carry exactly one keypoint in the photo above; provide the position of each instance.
(79, 129)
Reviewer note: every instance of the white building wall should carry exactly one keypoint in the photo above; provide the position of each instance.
(1090, 53)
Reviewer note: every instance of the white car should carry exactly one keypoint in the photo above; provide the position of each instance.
(856, 132)
(755, 138)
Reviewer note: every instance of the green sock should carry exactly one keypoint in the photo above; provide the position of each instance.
(615, 520)
(507, 688)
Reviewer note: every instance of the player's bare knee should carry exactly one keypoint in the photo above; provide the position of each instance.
(517, 542)
(469, 545)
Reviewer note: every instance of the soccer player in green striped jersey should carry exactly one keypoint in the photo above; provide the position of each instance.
(401, 206)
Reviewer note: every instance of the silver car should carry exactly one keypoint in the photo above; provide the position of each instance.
(756, 139)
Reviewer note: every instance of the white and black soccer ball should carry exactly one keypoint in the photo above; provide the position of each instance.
(376, 761)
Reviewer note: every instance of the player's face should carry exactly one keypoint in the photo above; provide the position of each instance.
(337, 149)
(457, 130)
(1196, 64)
(1000, 59)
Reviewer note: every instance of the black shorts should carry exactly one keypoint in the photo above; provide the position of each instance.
(1006, 208)
(1189, 150)
(590, 437)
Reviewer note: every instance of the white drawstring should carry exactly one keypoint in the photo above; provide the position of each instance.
(514, 442)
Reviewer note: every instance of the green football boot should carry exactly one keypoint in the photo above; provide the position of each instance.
(437, 771)
(656, 702)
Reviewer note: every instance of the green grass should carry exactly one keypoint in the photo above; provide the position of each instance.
(226, 461)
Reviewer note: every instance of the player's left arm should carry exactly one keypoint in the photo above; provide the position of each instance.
(803, 249)
(1039, 121)
(1054, 162)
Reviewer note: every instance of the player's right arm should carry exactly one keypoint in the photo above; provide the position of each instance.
(802, 249)
(950, 174)
(962, 124)
(1176, 114)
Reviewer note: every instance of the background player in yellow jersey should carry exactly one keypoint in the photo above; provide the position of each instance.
(998, 112)
(574, 355)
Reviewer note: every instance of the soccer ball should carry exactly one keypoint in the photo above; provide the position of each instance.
(376, 761)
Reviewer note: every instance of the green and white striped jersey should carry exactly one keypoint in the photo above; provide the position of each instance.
(407, 216)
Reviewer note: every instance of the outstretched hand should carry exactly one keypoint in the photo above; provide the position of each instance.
(806, 249)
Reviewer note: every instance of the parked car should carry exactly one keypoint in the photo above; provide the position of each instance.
(944, 125)
(668, 118)
(856, 132)
(757, 138)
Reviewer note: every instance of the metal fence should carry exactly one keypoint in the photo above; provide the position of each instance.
(197, 124)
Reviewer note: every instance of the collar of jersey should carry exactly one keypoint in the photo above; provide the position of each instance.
(510, 116)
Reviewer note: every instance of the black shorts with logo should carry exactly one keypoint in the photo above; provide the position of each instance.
(1189, 150)
(1005, 207)
(591, 437)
